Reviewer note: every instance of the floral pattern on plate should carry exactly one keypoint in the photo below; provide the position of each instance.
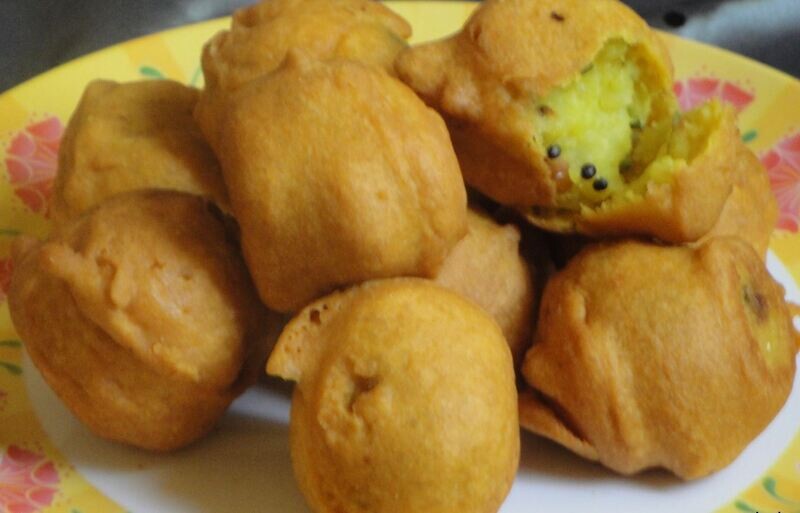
(783, 166)
(32, 161)
(28, 481)
(693, 92)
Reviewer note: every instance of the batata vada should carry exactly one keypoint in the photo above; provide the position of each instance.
(405, 401)
(486, 267)
(262, 34)
(132, 136)
(750, 211)
(142, 318)
(565, 110)
(338, 174)
(650, 356)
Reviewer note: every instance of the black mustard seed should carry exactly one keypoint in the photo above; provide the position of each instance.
(588, 171)
(600, 184)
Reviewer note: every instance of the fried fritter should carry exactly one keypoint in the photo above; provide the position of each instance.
(751, 211)
(142, 317)
(650, 356)
(338, 174)
(261, 35)
(131, 136)
(405, 401)
(565, 110)
(486, 267)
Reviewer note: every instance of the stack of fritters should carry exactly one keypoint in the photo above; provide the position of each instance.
(321, 174)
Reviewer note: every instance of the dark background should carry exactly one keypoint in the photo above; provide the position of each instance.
(36, 35)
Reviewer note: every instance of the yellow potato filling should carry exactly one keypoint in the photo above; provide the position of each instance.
(670, 144)
(607, 134)
(766, 324)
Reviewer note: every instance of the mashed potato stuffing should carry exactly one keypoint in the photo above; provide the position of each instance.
(589, 126)
(603, 137)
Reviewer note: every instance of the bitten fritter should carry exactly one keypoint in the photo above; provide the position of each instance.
(564, 109)
(405, 401)
(486, 267)
(338, 174)
(650, 356)
(132, 136)
(142, 317)
(261, 35)
(751, 211)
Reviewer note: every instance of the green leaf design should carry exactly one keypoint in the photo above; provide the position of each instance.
(196, 77)
(151, 72)
(9, 232)
(743, 506)
(749, 136)
(771, 486)
(10, 343)
(12, 368)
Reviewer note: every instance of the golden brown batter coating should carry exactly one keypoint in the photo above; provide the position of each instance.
(487, 268)
(131, 136)
(405, 401)
(262, 34)
(338, 174)
(565, 109)
(649, 356)
(142, 317)
(750, 212)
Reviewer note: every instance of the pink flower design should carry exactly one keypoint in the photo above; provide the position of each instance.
(32, 161)
(28, 481)
(693, 92)
(6, 268)
(783, 166)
